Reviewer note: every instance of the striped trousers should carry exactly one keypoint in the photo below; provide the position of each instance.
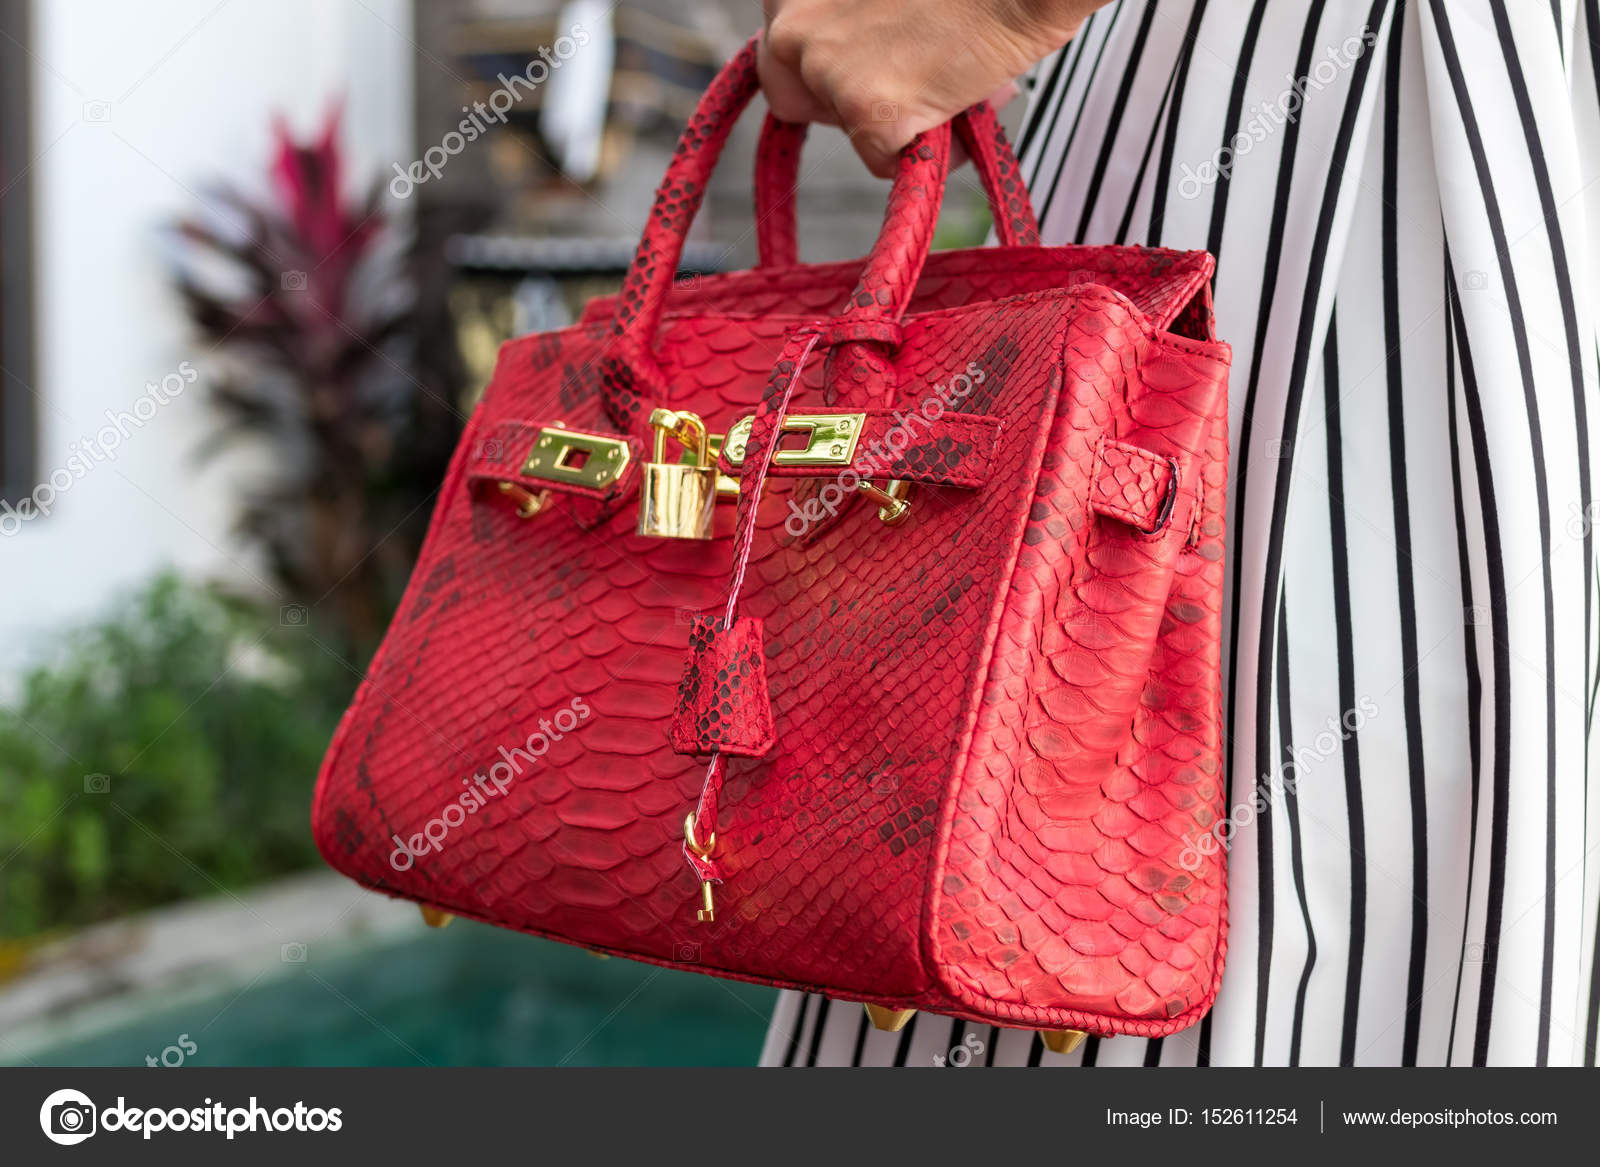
(1404, 199)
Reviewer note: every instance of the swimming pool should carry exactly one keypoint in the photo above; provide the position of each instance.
(465, 996)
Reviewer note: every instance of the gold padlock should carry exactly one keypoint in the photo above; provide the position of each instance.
(678, 500)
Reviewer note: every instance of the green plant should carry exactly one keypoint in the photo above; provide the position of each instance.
(313, 306)
(169, 753)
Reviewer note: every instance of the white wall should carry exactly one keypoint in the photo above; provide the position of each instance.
(189, 87)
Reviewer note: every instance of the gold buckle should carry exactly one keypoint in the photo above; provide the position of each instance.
(577, 459)
(830, 439)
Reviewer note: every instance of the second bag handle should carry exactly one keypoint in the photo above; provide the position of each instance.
(978, 130)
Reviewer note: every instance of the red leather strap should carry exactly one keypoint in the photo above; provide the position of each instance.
(758, 461)
(1133, 486)
(502, 450)
(979, 131)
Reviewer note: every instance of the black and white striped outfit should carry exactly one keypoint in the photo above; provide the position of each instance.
(1408, 259)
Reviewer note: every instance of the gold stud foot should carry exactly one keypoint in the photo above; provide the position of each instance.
(889, 1020)
(435, 917)
(1062, 1041)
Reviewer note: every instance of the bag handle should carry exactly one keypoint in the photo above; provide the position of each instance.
(631, 379)
(978, 130)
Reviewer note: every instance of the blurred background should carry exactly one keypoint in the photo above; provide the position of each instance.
(256, 257)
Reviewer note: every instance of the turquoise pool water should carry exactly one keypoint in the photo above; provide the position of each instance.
(466, 996)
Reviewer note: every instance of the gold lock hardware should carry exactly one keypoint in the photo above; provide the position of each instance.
(678, 500)
(892, 499)
(830, 439)
(590, 460)
(707, 913)
(528, 504)
(727, 488)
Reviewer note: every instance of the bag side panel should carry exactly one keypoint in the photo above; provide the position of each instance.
(1062, 901)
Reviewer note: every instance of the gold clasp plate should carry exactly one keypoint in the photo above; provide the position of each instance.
(577, 459)
(830, 439)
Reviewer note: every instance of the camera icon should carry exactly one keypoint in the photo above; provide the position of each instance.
(293, 953)
(885, 111)
(97, 783)
(688, 282)
(294, 281)
(492, 450)
(1473, 953)
(1279, 448)
(686, 953)
(294, 616)
(1477, 614)
(97, 112)
(1475, 281)
(67, 1117)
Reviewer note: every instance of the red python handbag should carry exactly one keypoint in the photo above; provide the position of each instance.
(848, 627)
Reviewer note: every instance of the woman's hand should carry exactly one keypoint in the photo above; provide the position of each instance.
(886, 70)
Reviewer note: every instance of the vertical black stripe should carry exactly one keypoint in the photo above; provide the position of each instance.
(793, 1050)
(1470, 640)
(1591, 17)
(1499, 842)
(1269, 280)
(1035, 1050)
(1241, 86)
(1500, 646)
(1344, 634)
(994, 1045)
(1291, 806)
(1406, 584)
(1591, 1033)
(1169, 144)
(1091, 1051)
(1219, 214)
(1114, 121)
(958, 1031)
(1312, 294)
(1043, 207)
(903, 1050)
(1569, 316)
(1152, 1052)
(1048, 102)
(816, 1029)
(1123, 227)
(863, 1027)
(1274, 567)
